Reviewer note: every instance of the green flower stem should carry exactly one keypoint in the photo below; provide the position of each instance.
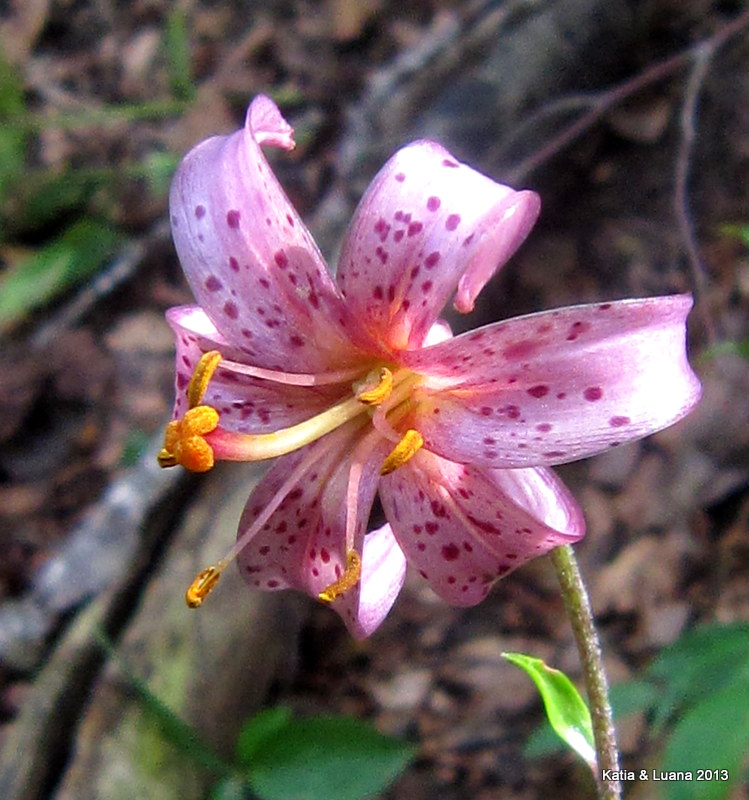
(577, 604)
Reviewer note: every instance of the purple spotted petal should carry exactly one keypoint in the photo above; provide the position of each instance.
(557, 386)
(427, 226)
(250, 261)
(302, 545)
(463, 527)
(246, 404)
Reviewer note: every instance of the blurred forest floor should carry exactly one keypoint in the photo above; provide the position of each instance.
(99, 100)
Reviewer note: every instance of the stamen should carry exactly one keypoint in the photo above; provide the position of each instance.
(203, 584)
(347, 581)
(380, 392)
(184, 440)
(293, 378)
(404, 451)
(201, 377)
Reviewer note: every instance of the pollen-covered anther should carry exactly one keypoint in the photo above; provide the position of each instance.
(347, 581)
(404, 451)
(373, 395)
(203, 585)
(201, 377)
(184, 441)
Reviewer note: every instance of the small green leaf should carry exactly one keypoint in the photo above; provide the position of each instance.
(75, 255)
(712, 735)
(565, 708)
(740, 348)
(331, 757)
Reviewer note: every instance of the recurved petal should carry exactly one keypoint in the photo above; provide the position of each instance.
(464, 527)
(251, 262)
(302, 545)
(245, 404)
(383, 574)
(556, 386)
(426, 226)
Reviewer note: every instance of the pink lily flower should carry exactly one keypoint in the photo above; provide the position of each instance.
(357, 387)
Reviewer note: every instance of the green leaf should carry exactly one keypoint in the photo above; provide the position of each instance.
(259, 729)
(12, 139)
(626, 698)
(713, 735)
(177, 45)
(566, 710)
(75, 255)
(230, 789)
(740, 348)
(330, 757)
(697, 665)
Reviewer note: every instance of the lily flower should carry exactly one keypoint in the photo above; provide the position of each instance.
(356, 386)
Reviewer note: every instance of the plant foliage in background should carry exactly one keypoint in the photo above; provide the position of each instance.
(694, 697)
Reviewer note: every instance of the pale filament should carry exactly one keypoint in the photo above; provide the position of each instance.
(294, 378)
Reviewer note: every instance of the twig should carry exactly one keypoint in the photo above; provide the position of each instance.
(577, 604)
(682, 211)
(602, 102)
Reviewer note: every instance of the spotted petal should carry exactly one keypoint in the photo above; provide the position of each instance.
(464, 527)
(557, 386)
(250, 261)
(302, 545)
(245, 404)
(427, 226)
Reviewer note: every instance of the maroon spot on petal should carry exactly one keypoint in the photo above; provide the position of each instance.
(432, 260)
(264, 550)
(489, 440)
(398, 235)
(485, 411)
(604, 307)
(438, 509)
(433, 203)
(521, 349)
(381, 253)
(231, 310)
(290, 220)
(391, 293)
(468, 547)
(378, 293)
(467, 240)
(414, 228)
(324, 555)
(541, 390)
(593, 393)
(233, 264)
(544, 427)
(400, 177)
(417, 529)
(421, 546)
(452, 222)
(446, 162)
(426, 287)
(199, 212)
(555, 454)
(450, 551)
(281, 259)
(431, 527)
(618, 422)
(296, 341)
(561, 395)
(232, 219)
(213, 284)
(182, 380)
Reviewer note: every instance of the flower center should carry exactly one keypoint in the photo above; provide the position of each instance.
(197, 440)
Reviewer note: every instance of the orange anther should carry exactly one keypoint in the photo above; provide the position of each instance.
(347, 581)
(201, 377)
(404, 451)
(201, 586)
(374, 395)
(184, 441)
